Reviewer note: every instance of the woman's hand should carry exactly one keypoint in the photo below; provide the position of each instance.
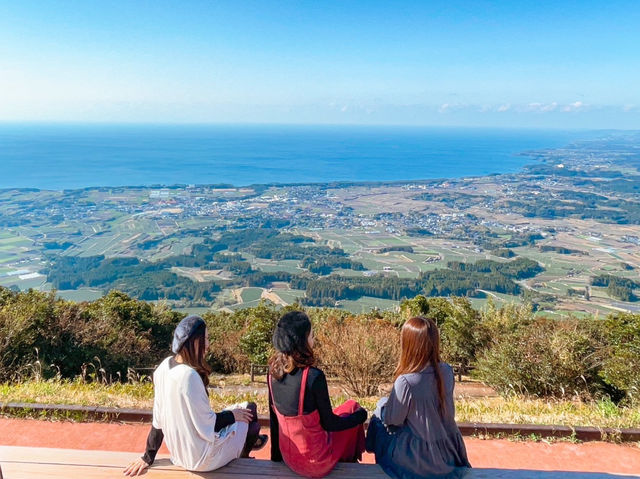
(242, 415)
(136, 468)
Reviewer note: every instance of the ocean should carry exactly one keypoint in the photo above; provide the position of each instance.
(68, 156)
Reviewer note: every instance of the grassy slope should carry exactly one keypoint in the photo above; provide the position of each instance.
(515, 410)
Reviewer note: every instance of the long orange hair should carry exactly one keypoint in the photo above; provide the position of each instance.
(419, 347)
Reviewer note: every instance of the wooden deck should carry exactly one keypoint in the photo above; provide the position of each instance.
(45, 463)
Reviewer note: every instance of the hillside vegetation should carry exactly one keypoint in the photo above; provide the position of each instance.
(508, 348)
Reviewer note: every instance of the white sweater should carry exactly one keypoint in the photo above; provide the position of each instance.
(182, 410)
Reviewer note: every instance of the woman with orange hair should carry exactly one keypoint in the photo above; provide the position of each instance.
(413, 432)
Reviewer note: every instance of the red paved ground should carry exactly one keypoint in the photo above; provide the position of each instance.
(495, 453)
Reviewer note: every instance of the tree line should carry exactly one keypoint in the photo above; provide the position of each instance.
(509, 348)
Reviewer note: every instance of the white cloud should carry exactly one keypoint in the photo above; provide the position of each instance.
(504, 107)
(575, 106)
(540, 107)
(444, 108)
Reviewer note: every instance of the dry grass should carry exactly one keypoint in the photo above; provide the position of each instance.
(127, 395)
(519, 410)
(515, 410)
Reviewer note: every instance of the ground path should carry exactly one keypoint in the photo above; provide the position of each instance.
(494, 453)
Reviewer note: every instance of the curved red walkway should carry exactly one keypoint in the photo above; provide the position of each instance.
(494, 453)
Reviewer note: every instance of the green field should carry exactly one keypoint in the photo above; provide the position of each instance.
(248, 304)
(367, 303)
(290, 296)
(251, 294)
(82, 294)
(119, 220)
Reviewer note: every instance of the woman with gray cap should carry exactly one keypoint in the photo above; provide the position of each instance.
(197, 438)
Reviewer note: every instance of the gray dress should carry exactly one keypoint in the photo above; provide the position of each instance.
(407, 434)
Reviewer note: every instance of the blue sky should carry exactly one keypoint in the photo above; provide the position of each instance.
(476, 63)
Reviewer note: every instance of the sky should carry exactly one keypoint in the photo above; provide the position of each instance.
(543, 64)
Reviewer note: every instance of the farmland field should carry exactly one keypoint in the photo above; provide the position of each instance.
(389, 233)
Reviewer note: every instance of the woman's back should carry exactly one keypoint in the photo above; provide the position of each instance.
(414, 401)
(424, 442)
(287, 391)
(182, 411)
(286, 399)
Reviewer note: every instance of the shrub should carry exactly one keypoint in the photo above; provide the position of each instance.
(361, 352)
(26, 330)
(495, 323)
(243, 337)
(124, 332)
(62, 336)
(621, 355)
(545, 357)
(257, 336)
(458, 323)
(225, 331)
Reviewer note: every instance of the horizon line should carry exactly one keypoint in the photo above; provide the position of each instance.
(285, 124)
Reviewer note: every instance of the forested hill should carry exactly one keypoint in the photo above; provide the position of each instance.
(317, 277)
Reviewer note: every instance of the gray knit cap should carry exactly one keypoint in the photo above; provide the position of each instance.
(185, 330)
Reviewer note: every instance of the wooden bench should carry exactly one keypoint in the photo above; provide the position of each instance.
(31, 463)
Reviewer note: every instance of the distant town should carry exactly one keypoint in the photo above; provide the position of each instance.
(563, 234)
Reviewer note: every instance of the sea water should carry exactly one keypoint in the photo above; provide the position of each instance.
(66, 156)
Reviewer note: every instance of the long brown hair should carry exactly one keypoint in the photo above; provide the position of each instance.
(420, 346)
(291, 342)
(193, 354)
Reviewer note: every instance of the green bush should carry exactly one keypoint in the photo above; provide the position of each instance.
(27, 331)
(621, 355)
(545, 358)
(458, 323)
(257, 336)
(243, 337)
(511, 349)
(225, 330)
(116, 332)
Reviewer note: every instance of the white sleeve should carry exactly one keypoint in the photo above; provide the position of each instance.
(157, 404)
(198, 407)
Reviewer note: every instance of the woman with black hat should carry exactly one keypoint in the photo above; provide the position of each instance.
(305, 431)
(197, 438)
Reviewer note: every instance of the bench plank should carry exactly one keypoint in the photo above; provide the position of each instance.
(46, 463)
(43, 462)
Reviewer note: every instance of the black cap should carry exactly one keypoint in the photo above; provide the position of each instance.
(291, 332)
(185, 330)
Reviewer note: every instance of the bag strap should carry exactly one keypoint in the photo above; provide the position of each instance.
(303, 387)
